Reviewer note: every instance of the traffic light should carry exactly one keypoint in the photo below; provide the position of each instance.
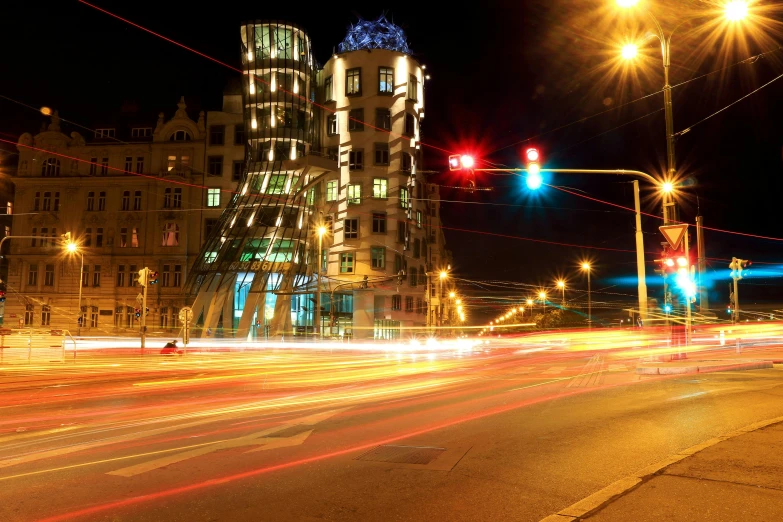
(152, 278)
(667, 308)
(2, 296)
(461, 162)
(143, 276)
(137, 312)
(667, 263)
(533, 180)
(739, 268)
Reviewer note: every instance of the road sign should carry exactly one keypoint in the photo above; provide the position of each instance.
(674, 234)
(185, 314)
(185, 317)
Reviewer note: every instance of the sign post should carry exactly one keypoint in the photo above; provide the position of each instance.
(185, 315)
(675, 235)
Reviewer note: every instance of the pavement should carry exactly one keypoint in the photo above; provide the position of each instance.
(736, 477)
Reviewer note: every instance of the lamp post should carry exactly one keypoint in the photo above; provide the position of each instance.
(734, 10)
(586, 267)
(561, 285)
(441, 277)
(321, 230)
(542, 296)
(73, 248)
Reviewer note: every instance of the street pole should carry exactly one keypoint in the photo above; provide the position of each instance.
(736, 302)
(687, 297)
(640, 270)
(589, 304)
(144, 308)
(701, 264)
(440, 300)
(669, 212)
(318, 287)
(81, 284)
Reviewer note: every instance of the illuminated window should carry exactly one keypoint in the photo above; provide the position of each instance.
(381, 153)
(213, 197)
(353, 82)
(356, 159)
(346, 263)
(170, 235)
(331, 190)
(210, 257)
(380, 188)
(276, 184)
(385, 80)
(356, 120)
(172, 163)
(354, 194)
(378, 257)
(413, 88)
(404, 201)
(351, 228)
(418, 218)
(378, 223)
(328, 89)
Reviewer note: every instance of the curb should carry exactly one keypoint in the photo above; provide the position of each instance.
(703, 368)
(590, 505)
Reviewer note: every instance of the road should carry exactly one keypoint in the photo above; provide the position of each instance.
(485, 433)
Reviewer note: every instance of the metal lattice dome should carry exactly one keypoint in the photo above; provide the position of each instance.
(380, 34)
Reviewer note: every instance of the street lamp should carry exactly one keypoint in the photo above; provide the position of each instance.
(542, 296)
(561, 285)
(321, 231)
(586, 267)
(72, 248)
(441, 277)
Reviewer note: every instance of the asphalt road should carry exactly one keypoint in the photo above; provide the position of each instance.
(502, 434)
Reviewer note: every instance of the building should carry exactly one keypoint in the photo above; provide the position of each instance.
(131, 194)
(349, 162)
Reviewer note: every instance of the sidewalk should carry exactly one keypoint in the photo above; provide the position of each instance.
(737, 477)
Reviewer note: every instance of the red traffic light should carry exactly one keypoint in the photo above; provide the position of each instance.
(467, 161)
(461, 161)
(532, 154)
(454, 162)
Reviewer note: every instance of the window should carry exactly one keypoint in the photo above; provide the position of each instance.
(32, 274)
(401, 231)
(329, 223)
(354, 194)
(101, 201)
(137, 200)
(418, 218)
(121, 274)
(215, 166)
(94, 317)
(383, 119)
(213, 197)
(180, 135)
(331, 190)
(409, 129)
(419, 306)
(236, 171)
(87, 241)
(216, 134)
(353, 82)
(171, 163)
(51, 201)
(378, 223)
(407, 162)
(45, 236)
(132, 273)
(128, 163)
(170, 234)
(239, 134)
(98, 237)
(93, 166)
(209, 226)
(29, 310)
(398, 263)
(91, 201)
(417, 248)
(140, 165)
(276, 184)
(378, 257)
(333, 153)
(177, 275)
(104, 166)
(104, 133)
(385, 80)
(356, 120)
(404, 201)
(134, 237)
(351, 228)
(346, 263)
(50, 168)
(380, 188)
(414, 277)
(9, 208)
(381, 153)
(328, 89)
(96, 275)
(172, 198)
(409, 303)
(413, 88)
(331, 125)
(49, 275)
(166, 276)
(46, 315)
(356, 159)
(37, 201)
(396, 302)
(141, 132)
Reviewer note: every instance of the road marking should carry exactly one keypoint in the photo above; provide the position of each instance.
(617, 368)
(554, 370)
(258, 438)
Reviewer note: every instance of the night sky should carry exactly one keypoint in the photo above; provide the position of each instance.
(502, 72)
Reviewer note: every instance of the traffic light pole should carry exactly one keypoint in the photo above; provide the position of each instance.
(688, 320)
(144, 310)
(736, 302)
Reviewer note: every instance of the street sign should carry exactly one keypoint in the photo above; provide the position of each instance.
(185, 317)
(674, 234)
(185, 314)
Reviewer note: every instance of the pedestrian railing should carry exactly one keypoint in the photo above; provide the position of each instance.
(28, 346)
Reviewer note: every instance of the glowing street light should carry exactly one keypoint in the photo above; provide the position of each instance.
(630, 51)
(667, 187)
(452, 295)
(73, 248)
(736, 10)
(561, 285)
(586, 267)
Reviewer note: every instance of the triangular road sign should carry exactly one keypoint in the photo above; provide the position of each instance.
(674, 234)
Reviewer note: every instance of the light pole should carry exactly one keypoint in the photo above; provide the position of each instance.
(441, 277)
(561, 285)
(542, 296)
(586, 267)
(321, 230)
(735, 10)
(72, 248)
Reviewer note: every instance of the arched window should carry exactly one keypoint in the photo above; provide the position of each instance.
(50, 168)
(171, 234)
(180, 135)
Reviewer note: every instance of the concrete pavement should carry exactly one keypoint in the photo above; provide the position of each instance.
(736, 477)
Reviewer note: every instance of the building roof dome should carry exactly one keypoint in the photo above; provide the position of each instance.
(380, 34)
